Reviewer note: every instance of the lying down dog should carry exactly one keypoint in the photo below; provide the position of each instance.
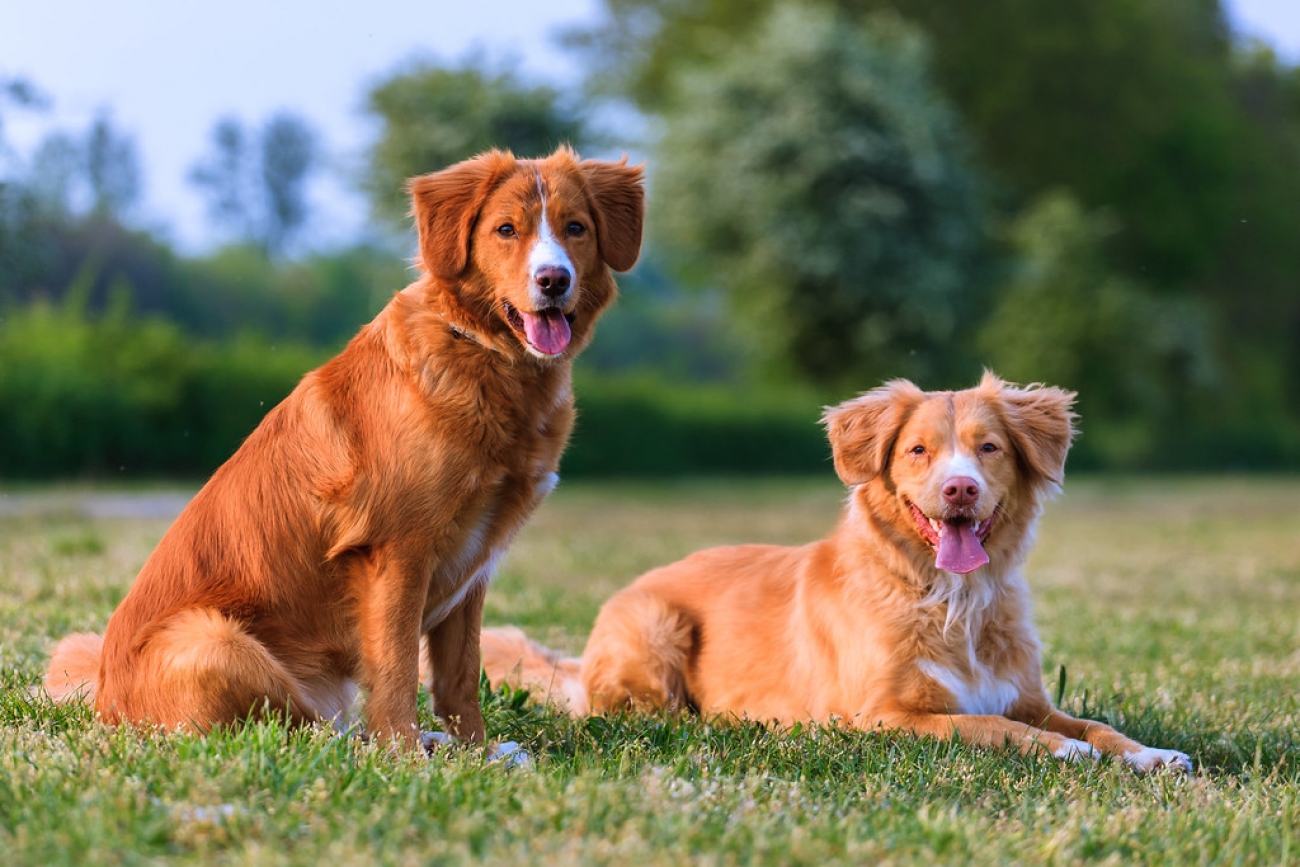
(912, 615)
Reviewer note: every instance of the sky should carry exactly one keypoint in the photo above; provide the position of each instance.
(167, 70)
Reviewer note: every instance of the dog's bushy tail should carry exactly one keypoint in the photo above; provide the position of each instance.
(511, 657)
(73, 674)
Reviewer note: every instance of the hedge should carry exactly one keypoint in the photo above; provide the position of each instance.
(120, 397)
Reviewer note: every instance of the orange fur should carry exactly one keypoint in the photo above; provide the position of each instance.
(862, 628)
(368, 509)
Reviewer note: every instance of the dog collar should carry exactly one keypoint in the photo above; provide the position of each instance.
(462, 334)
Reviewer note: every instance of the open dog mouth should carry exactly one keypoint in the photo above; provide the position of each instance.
(958, 542)
(546, 331)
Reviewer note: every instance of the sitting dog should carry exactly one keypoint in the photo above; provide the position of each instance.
(912, 615)
(370, 507)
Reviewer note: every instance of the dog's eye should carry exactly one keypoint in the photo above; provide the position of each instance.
(506, 230)
(575, 229)
(989, 448)
(916, 450)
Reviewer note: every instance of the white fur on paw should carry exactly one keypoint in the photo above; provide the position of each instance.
(431, 740)
(509, 754)
(1150, 758)
(1077, 751)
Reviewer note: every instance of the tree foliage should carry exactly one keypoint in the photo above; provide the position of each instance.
(96, 172)
(223, 177)
(1138, 360)
(256, 183)
(112, 169)
(812, 171)
(20, 93)
(1125, 102)
(432, 116)
(1144, 111)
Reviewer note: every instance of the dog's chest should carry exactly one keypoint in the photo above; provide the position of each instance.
(487, 530)
(495, 458)
(972, 686)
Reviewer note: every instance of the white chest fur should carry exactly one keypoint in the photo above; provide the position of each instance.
(474, 562)
(978, 692)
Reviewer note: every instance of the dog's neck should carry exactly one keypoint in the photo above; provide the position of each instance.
(460, 333)
(879, 528)
(458, 320)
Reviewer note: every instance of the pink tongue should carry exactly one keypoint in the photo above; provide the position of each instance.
(548, 331)
(960, 549)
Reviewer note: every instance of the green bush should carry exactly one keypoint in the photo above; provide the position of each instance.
(118, 396)
(113, 396)
(644, 426)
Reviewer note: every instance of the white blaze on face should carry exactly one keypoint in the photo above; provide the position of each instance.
(547, 252)
(959, 545)
(959, 464)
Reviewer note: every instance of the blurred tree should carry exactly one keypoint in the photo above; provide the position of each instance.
(433, 116)
(96, 173)
(642, 45)
(812, 171)
(25, 246)
(1256, 281)
(1140, 361)
(63, 212)
(288, 156)
(223, 177)
(112, 169)
(56, 168)
(320, 297)
(1144, 110)
(256, 186)
(1125, 102)
(21, 93)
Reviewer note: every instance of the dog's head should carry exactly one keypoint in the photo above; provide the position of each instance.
(966, 472)
(522, 248)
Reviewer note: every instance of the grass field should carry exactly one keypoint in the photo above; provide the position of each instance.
(1173, 605)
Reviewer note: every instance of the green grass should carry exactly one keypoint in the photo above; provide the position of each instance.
(1173, 605)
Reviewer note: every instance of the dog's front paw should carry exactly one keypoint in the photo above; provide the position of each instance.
(1076, 751)
(509, 754)
(431, 741)
(1150, 759)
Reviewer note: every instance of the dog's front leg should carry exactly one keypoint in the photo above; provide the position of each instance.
(1113, 743)
(389, 620)
(454, 659)
(988, 731)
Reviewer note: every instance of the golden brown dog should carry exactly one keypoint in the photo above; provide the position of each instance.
(913, 614)
(370, 507)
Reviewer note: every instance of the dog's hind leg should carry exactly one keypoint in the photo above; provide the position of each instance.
(199, 669)
(638, 653)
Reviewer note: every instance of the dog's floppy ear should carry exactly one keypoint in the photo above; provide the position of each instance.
(862, 430)
(619, 199)
(445, 205)
(1040, 421)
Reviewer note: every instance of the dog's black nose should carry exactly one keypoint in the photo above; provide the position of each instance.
(552, 280)
(961, 491)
